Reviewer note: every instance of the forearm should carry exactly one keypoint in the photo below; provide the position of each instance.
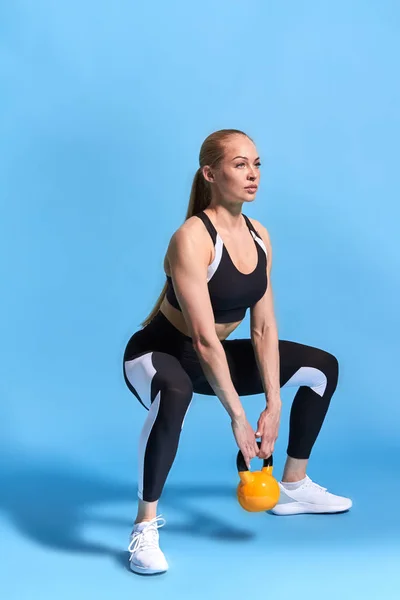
(212, 358)
(266, 350)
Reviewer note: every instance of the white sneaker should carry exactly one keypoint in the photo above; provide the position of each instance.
(146, 557)
(309, 498)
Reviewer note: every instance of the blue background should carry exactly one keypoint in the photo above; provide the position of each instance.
(104, 107)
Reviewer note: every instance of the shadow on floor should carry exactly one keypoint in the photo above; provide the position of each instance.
(50, 504)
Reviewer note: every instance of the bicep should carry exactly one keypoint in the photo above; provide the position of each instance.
(188, 265)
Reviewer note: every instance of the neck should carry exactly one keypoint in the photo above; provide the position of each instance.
(227, 217)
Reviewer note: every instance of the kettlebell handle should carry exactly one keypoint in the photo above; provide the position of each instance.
(241, 464)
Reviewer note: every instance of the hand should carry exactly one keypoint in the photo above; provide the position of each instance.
(245, 438)
(267, 428)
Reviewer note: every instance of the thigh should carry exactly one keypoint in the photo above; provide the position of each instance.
(303, 365)
(242, 366)
(299, 365)
(148, 373)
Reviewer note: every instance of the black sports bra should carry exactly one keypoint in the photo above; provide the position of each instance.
(231, 292)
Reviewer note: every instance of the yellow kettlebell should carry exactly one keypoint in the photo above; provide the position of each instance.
(257, 490)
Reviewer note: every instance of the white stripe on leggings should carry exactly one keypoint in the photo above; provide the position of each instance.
(310, 376)
(143, 439)
(140, 373)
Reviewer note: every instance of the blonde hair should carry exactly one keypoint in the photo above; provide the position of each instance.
(211, 153)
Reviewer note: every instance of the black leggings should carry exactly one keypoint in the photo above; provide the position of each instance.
(162, 370)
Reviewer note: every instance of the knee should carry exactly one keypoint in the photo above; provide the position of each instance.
(327, 373)
(180, 390)
(171, 379)
(332, 366)
(177, 388)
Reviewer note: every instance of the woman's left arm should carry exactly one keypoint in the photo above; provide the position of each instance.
(265, 341)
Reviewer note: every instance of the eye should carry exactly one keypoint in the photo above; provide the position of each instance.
(242, 163)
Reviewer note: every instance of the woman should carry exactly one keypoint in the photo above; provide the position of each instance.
(218, 264)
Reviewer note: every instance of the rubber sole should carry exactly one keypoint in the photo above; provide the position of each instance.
(299, 508)
(143, 571)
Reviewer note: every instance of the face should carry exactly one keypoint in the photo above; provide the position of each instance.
(239, 169)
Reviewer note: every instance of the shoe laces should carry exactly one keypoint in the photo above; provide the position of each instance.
(147, 537)
(314, 485)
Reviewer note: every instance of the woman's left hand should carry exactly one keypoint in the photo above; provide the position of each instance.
(267, 428)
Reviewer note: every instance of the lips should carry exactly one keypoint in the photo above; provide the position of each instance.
(251, 187)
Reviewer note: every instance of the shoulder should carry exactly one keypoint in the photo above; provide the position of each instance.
(192, 229)
(259, 227)
(191, 236)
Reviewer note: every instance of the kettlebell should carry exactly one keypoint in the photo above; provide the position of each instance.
(257, 490)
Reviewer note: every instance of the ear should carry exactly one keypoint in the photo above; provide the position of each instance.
(208, 174)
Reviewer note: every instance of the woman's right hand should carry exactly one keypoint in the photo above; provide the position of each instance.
(245, 438)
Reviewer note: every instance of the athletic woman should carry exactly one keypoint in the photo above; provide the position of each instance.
(218, 265)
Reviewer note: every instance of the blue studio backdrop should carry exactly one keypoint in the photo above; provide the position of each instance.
(104, 107)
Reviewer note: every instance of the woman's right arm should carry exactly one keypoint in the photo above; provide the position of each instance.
(188, 260)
